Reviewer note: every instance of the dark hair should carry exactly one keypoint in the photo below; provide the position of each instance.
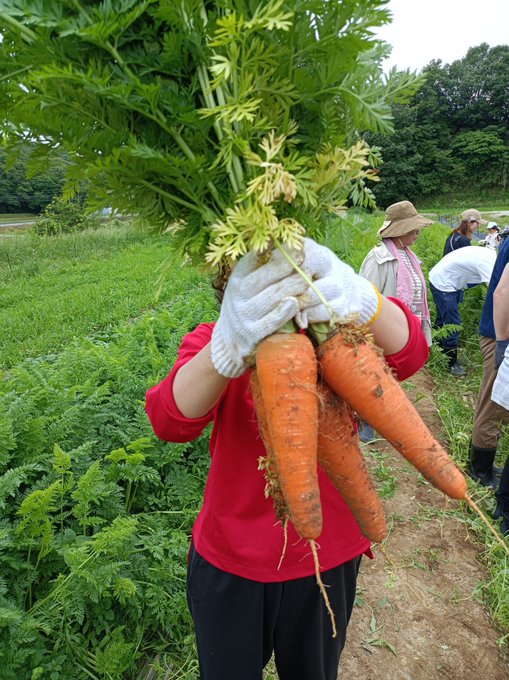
(463, 228)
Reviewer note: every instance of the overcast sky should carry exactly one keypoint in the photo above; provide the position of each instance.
(422, 30)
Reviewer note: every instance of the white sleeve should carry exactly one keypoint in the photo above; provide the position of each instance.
(500, 392)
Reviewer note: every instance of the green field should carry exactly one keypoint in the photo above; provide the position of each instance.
(7, 218)
(55, 290)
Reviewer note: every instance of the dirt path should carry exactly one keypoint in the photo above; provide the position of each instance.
(419, 617)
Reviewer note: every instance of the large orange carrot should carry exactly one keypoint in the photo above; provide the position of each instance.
(267, 462)
(340, 457)
(356, 371)
(286, 369)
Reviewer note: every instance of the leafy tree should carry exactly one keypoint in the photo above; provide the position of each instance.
(399, 174)
(64, 217)
(453, 133)
(483, 154)
(477, 87)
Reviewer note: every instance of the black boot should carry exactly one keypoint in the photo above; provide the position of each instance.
(497, 471)
(502, 496)
(500, 513)
(480, 466)
(455, 368)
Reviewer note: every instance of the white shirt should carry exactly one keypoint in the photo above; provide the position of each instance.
(500, 392)
(492, 240)
(457, 269)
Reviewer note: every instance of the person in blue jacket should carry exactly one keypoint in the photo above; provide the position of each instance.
(489, 416)
(462, 235)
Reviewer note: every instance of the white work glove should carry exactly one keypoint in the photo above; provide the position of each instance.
(351, 297)
(258, 300)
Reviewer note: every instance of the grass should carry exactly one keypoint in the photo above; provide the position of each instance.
(10, 223)
(53, 290)
(7, 218)
(488, 201)
(382, 472)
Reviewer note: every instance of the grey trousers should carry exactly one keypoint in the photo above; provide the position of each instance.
(489, 416)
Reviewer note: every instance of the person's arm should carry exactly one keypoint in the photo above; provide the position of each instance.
(501, 316)
(374, 272)
(198, 386)
(390, 329)
(501, 306)
(260, 299)
(166, 418)
(414, 354)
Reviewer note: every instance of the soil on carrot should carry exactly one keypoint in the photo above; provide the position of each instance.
(418, 615)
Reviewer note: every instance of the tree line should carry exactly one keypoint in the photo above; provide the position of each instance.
(453, 137)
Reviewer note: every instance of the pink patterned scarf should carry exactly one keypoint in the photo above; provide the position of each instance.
(404, 284)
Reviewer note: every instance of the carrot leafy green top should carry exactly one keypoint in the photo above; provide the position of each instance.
(223, 122)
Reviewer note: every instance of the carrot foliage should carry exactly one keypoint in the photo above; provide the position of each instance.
(204, 118)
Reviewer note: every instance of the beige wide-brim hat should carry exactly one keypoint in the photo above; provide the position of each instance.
(472, 215)
(401, 219)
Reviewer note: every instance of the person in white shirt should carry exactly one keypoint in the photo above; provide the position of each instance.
(459, 269)
(492, 240)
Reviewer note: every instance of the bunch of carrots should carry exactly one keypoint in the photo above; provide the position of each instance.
(305, 397)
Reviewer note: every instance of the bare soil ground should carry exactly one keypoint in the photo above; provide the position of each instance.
(419, 615)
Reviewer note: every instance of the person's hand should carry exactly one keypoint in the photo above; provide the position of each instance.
(500, 348)
(258, 300)
(350, 296)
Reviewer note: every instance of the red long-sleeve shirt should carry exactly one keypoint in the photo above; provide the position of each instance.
(236, 529)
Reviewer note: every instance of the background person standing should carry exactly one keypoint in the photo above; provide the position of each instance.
(459, 269)
(396, 271)
(462, 235)
(489, 415)
(394, 268)
(492, 240)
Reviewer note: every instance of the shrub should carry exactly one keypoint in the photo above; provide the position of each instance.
(64, 217)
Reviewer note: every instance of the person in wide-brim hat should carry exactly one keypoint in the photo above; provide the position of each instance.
(396, 271)
(393, 267)
(401, 219)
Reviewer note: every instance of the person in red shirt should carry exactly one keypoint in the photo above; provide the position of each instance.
(245, 605)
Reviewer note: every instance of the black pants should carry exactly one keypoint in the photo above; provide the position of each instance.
(239, 622)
